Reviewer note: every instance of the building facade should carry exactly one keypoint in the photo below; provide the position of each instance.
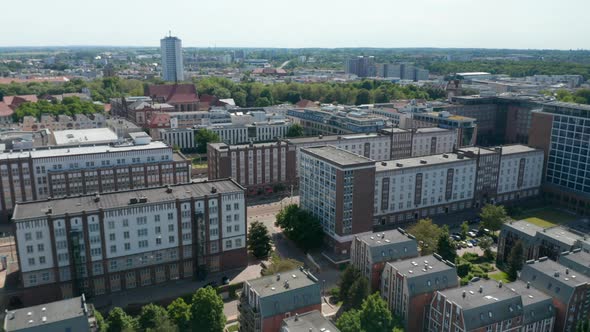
(337, 187)
(409, 285)
(369, 253)
(265, 302)
(101, 244)
(259, 167)
(43, 173)
(172, 67)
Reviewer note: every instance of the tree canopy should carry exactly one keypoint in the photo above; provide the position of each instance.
(373, 316)
(427, 235)
(203, 137)
(515, 259)
(180, 313)
(259, 241)
(301, 227)
(444, 246)
(295, 130)
(119, 321)
(207, 311)
(68, 106)
(493, 216)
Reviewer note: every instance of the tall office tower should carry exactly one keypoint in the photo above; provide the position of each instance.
(361, 66)
(172, 68)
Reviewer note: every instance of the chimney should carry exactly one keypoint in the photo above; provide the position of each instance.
(500, 284)
(168, 189)
(296, 317)
(567, 271)
(528, 284)
(97, 197)
(481, 289)
(556, 274)
(213, 190)
(464, 294)
(278, 276)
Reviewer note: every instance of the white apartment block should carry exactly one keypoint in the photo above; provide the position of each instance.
(434, 140)
(521, 172)
(99, 244)
(414, 188)
(47, 172)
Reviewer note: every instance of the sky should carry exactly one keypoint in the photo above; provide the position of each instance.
(519, 24)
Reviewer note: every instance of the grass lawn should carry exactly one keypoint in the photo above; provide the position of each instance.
(500, 275)
(278, 264)
(233, 328)
(545, 217)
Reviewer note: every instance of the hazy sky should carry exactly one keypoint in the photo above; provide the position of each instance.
(547, 24)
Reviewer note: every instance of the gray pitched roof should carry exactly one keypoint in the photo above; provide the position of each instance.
(537, 305)
(309, 321)
(577, 261)
(390, 245)
(551, 278)
(493, 304)
(426, 274)
(276, 297)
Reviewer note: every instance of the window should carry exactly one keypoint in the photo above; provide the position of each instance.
(238, 242)
(113, 265)
(33, 279)
(112, 237)
(236, 228)
(171, 228)
(228, 244)
(28, 237)
(42, 260)
(126, 235)
(45, 276)
(158, 230)
(113, 249)
(39, 235)
(125, 223)
(158, 241)
(143, 243)
(171, 239)
(228, 229)
(170, 216)
(30, 249)
(111, 225)
(127, 246)
(31, 261)
(236, 206)
(157, 218)
(228, 207)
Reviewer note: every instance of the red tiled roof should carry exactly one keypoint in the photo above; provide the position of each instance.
(5, 110)
(174, 93)
(160, 120)
(303, 103)
(12, 100)
(207, 98)
(58, 79)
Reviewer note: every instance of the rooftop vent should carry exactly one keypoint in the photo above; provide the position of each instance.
(464, 294)
(383, 163)
(143, 200)
(286, 284)
(399, 164)
(321, 136)
(500, 284)
(133, 200)
(168, 189)
(556, 274)
(213, 190)
(567, 271)
(481, 289)
(278, 276)
(44, 319)
(445, 155)
(528, 285)
(423, 161)
(97, 197)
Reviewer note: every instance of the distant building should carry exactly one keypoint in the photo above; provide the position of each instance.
(569, 290)
(369, 253)
(183, 97)
(66, 315)
(361, 66)
(63, 122)
(331, 122)
(466, 127)
(172, 67)
(408, 287)
(310, 321)
(84, 137)
(265, 302)
(403, 71)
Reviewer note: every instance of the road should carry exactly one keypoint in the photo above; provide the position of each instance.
(284, 64)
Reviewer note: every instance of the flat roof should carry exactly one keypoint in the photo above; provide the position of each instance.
(337, 155)
(52, 312)
(478, 150)
(78, 204)
(560, 234)
(523, 226)
(530, 294)
(424, 161)
(222, 146)
(385, 238)
(309, 321)
(491, 294)
(84, 136)
(321, 138)
(552, 270)
(273, 284)
(420, 266)
(62, 151)
(432, 130)
(580, 259)
(517, 148)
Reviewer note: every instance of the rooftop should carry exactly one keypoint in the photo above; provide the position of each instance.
(437, 159)
(431, 130)
(560, 234)
(517, 148)
(52, 312)
(282, 282)
(321, 138)
(78, 204)
(423, 265)
(84, 136)
(338, 156)
(383, 238)
(426, 274)
(224, 146)
(523, 226)
(537, 305)
(578, 261)
(60, 152)
(312, 321)
(553, 274)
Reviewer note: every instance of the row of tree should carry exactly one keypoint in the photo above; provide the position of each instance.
(203, 313)
(581, 96)
(512, 68)
(68, 106)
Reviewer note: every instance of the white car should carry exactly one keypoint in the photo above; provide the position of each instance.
(472, 234)
(469, 244)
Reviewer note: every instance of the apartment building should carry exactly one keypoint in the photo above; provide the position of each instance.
(562, 130)
(538, 312)
(576, 260)
(309, 321)
(409, 285)
(410, 189)
(337, 187)
(480, 306)
(259, 167)
(433, 140)
(466, 127)
(102, 244)
(369, 253)
(47, 172)
(265, 302)
(569, 290)
(335, 120)
(63, 122)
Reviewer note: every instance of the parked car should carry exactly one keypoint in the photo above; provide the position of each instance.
(472, 234)
(469, 245)
(463, 244)
(225, 280)
(456, 237)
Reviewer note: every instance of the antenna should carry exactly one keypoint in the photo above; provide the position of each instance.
(169, 33)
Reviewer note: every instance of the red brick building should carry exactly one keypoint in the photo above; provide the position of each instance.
(183, 97)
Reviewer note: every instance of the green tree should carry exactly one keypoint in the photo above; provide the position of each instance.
(347, 278)
(301, 227)
(100, 322)
(180, 313)
(207, 311)
(203, 137)
(485, 243)
(350, 321)
(375, 316)
(262, 102)
(464, 229)
(427, 235)
(154, 318)
(259, 241)
(119, 321)
(358, 292)
(493, 216)
(363, 97)
(515, 259)
(295, 130)
(445, 247)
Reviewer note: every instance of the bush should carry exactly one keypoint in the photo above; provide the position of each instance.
(463, 269)
(335, 294)
(470, 257)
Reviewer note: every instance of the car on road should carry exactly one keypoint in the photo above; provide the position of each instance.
(472, 234)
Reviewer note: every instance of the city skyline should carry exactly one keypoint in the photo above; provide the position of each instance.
(263, 23)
